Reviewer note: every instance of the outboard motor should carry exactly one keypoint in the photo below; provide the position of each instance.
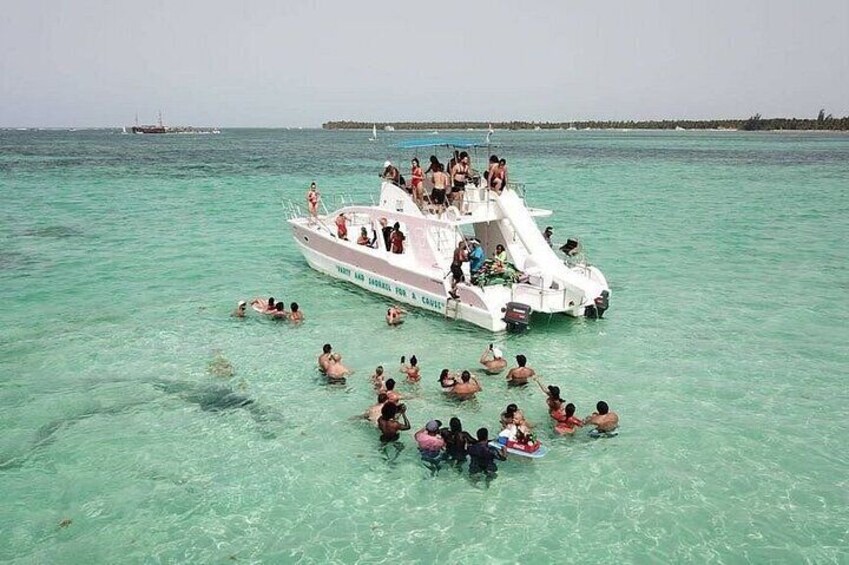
(571, 248)
(599, 306)
(517, 316)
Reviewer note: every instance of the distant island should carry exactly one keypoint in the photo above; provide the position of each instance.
(755, 123)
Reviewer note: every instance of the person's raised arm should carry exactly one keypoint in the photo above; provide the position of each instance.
(405, 423)
(544, 391)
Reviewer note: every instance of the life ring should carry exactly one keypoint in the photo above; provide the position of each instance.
(452, 214)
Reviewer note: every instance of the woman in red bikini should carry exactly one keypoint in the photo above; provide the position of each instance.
(417, 176)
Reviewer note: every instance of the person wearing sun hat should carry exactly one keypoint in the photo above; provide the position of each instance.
(239, 312)
(493, 360)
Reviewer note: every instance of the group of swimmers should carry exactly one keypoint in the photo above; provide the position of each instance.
(275, 309)
(438, 444)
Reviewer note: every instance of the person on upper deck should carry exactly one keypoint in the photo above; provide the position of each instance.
(459, 176)
(493, 164)
(433, 163)
(313, 198)
(396, 239)
(498, 176)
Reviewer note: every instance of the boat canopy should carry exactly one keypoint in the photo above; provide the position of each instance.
(441, 142)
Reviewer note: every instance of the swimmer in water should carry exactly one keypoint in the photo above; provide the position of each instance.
(482, 456)
(431, 444)
(447, 381)
(395, 316)
(411, 370)
(373, 413)
(265, 306)
(377, 380)
(518, 376)
(336, 371)
(467, 387)
(295, 314)
(388, 423)
(567, 423)
(280, 312)
(239, 312)
(324, 358)
(603, 418)
(493, 360)
(392, 395)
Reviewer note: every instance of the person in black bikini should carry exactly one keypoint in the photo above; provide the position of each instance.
(458, 177)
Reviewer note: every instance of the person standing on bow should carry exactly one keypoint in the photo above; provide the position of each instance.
(313, 198)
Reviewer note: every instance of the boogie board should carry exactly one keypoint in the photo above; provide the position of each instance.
(535, 455)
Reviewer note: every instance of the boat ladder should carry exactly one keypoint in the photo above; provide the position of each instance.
(452, 308)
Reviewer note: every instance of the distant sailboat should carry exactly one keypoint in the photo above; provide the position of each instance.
(373, 133)
(489, 133)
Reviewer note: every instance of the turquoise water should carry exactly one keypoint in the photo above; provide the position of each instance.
(724, 352)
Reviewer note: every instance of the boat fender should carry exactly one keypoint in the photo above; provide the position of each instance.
(452, 214)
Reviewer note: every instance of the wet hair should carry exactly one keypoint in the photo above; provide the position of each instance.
(493, 158)
(434, 160)
(413, 361)
(379, 370)
(312, 184)
(443, 375)
(502, 162)
(439, 167)
(294, 307)
(555, 392)
(280, 307)
(463, 154)
(382, 397)
(327, 348)
(389, 410)
(390, 384)
(602, 407)
(396, 226)
(465, 376)
(569, 409)
(270, 301)
(511, 409)
(483, 434)
(455, 425)
(415, 160)
(521, 360)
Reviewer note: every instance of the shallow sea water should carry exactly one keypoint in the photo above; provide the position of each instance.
(724, 353)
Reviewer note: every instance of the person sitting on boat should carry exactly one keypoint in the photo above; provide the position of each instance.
(336, 371)
(477, 257)
(493, 164)
(313, 198)
(417, 181)
(342, 226)
(467, 387)
(239, 312)
(457, 276)
(440, 187)
(324, 358)
(603, 418)
(482, 457)
(395, 316)
(493, 360)
(499, 258)
(295, 314)
(459, 175)
(396, 239)
(447, 381)
(518, 376)
(411, 370)
(364, 238)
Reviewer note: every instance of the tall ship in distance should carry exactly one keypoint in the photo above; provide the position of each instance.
(160, 128)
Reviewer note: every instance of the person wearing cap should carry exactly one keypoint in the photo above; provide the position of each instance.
(239, 312)
(391, 173)
(430, 444)
(546, 235)
(493, 360)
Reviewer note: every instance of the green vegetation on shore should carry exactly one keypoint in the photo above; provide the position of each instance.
(754, 123)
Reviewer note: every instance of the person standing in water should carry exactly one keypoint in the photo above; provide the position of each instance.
(493, 360)
(411, 370)
(467, 387)
(603, 418)
(482, 456)
(239, 312)
(518, 376)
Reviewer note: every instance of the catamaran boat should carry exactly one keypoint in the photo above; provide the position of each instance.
(421, 276)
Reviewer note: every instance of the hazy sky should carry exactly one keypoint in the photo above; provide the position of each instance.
(287, 63)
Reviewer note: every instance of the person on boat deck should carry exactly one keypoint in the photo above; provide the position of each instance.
(493, 164)
(386, 231)
(373, 413)
(498, 177)
(459, 175)
(239, 312)
(432, 167)
(395, 315)
(377, 380)
(388, 424)
(461, 255)
(364, 238)
(431, 444)
(396, 239)
(342, 226)
(447, 380)
(518, 376)
(493, 360)
(411, 370)
(457, 441)
(546, 235)
(391, 173)
(567, 423)
(417, 181)
(603, 418)
(324, 358)
(440, 186)
(313, 198)
(502, 172)
(477, 257)
(467, 387)
(482, 457)
(499, 259)
(295, 314)
(336, 371)
(280, 312)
